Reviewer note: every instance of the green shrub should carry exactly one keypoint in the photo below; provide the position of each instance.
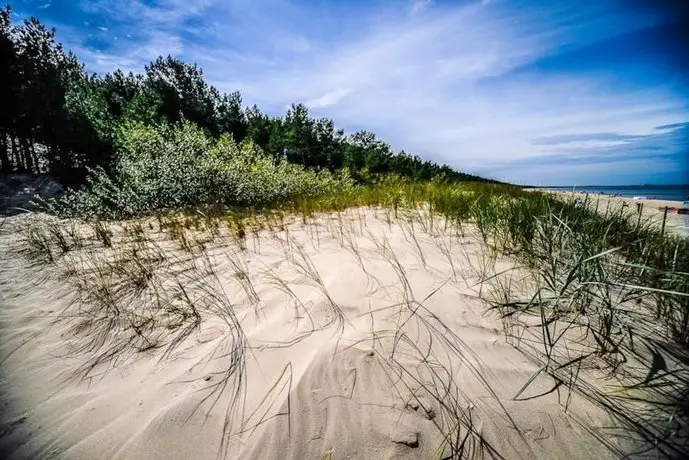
(173, 167)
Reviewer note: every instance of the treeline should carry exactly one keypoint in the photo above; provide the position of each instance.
(57, 118)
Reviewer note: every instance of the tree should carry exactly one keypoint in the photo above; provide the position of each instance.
(182, 92)
(120, 90)
(366, 151)
(258, 126)
(90, 135)
(330, 144)
(277, 140)
(299, 136)
(231, 118)
(8, 74)
(40, 73)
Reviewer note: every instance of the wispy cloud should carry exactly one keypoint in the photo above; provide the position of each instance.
(491, 87)
(328, 99)
(589, 137)
(672, 126)
(140, 32)
(419, 6)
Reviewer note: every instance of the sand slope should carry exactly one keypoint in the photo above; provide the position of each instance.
(358, 338)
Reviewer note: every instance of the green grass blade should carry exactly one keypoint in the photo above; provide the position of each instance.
(530, 381)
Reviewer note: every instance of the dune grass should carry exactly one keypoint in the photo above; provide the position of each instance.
(587, 285)
(570, 247)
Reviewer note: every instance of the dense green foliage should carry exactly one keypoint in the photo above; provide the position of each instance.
(180, 166)
(57, 118)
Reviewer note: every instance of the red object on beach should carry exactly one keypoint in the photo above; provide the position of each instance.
(683, 211)
(663, 208)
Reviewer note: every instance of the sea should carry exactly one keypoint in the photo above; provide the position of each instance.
(657, 192)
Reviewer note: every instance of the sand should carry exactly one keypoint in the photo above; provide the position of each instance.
(358, 337)
(652, 210)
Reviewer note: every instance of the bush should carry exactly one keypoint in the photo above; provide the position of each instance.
(172, 167)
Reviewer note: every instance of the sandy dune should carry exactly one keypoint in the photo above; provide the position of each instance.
(355, 335)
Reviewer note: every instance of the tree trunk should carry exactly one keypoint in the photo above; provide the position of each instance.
(18, 165)
(5, 163)
(32, 149)
(28, 160)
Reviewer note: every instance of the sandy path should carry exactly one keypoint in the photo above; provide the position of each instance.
(378, 349)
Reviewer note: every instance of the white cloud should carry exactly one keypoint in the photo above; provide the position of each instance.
(419, 6)
(328, 99)
(591, 144)
(169, 12)
(152, 31)
(134, 56)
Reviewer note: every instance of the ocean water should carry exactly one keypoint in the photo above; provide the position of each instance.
(658, 192)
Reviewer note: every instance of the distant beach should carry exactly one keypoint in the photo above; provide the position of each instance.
(652, 208)
(654, 192)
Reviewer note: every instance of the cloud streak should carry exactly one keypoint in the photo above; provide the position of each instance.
(328, 99)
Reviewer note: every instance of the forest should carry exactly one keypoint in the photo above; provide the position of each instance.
(58, 118)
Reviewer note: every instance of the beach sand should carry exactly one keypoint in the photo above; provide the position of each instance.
(652, 209)
(357, 337)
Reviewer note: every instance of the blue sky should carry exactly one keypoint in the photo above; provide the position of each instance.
(537, 92)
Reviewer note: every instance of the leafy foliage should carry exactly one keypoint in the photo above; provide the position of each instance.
(179, 166)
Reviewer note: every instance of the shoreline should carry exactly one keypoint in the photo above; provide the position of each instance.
(679, 194)
(652, 208)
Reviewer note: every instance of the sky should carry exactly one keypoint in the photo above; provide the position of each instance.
(531, 92)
